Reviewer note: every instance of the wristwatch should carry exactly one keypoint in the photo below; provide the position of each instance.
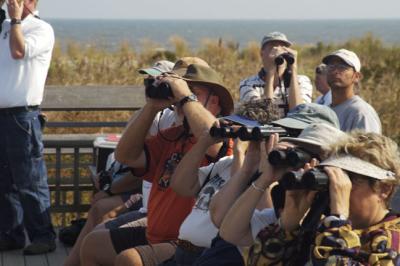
(190, 98)
(15, 21)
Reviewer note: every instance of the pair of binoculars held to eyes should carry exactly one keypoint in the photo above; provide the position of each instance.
(292, 157)
(314, 179)
(247, 133)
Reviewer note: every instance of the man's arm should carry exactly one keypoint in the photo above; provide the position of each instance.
(198, 117)
(294, 89)
(185, 180)
(223, 200)
(17, 41)
(130, 148)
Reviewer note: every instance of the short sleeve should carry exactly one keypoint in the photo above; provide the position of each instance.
(261, 219)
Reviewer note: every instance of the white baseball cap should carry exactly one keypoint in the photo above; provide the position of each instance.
(348, 56)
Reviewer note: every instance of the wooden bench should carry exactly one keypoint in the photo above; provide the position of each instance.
(69, 156)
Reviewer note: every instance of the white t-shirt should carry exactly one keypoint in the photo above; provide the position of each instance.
(198, 227)
(163, 120)
(261, 219)
(23, 80)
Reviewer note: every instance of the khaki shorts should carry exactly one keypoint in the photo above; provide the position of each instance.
(152, 255)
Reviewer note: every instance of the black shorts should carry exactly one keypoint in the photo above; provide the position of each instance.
(129, 237)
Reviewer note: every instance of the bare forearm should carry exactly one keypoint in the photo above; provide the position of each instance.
(17, 42)
(238, 159)
(131, 144)
(185, 178)
(235, 227)
(269, 85)
(294, 90)
(223, 200)
(199, 118)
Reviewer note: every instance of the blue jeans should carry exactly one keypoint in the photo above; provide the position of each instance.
(182, 258)
(24, 192)
(220, 253)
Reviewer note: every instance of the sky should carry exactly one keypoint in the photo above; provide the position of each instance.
(220, 9)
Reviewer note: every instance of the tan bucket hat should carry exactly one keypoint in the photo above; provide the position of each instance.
(199, 74)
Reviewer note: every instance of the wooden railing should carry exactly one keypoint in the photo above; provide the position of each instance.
(69, 157)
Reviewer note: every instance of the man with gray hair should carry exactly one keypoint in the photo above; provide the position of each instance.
(343, 73)
(279, 64)
(26, 45)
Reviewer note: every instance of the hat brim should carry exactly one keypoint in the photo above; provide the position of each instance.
(358, 166)
(277, 40)
(327, 58)
(225, 98)
(150, 71)
(291, 123)
(242, 120)
(309, 145)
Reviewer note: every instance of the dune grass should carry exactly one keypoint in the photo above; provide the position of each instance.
(91, 65)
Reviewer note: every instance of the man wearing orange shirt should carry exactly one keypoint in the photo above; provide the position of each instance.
(200, 96)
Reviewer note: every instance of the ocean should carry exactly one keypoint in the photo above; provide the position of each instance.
(110, 33)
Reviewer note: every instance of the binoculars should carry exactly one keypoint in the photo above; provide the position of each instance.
(292, 157)
(157, 90)
(314, 179)
(246, 133)
(289, 58)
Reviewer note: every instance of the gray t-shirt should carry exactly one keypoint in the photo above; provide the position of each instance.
(355, 113)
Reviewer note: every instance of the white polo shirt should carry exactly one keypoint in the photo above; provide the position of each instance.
(22, 80)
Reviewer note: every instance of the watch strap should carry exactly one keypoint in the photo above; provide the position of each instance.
(15, 21)
(190, 98)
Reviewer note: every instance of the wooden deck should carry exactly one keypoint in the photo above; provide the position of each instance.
(16, 258)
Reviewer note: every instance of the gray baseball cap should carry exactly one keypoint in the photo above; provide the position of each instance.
(275, 36)
(305, 114)
(158, 68)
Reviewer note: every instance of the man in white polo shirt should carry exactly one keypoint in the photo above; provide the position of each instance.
(26, 44)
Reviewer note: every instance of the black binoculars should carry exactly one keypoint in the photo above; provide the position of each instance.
(246, 133)
(289, 58)
(292, 157)
(314, 179)
(157, 90)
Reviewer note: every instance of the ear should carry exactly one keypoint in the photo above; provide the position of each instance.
(386, 190)
(357, 77)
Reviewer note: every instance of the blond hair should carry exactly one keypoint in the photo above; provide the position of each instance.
(373, 148)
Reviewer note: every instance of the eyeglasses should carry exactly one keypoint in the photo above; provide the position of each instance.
(339, 67)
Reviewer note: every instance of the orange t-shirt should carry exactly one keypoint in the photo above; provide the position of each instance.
(166, 209)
